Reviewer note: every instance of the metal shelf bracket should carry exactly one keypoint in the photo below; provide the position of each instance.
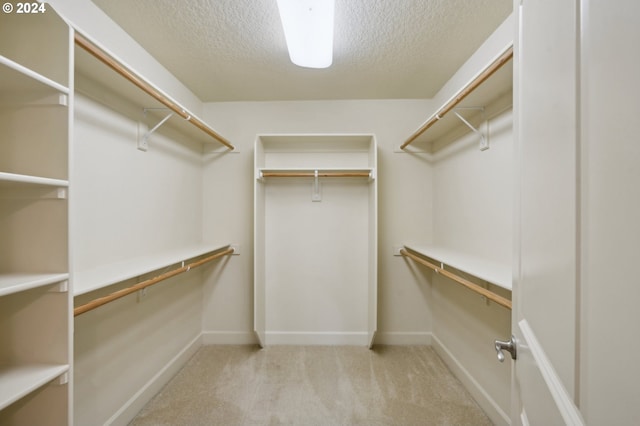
(484, 139)
(143, 136)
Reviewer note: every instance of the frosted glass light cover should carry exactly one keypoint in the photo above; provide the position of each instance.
(308, 29)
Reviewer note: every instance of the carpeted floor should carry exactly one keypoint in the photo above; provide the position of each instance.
(313, 385)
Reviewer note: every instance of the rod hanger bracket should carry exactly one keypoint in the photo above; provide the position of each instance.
(316, 196)
(142, 294)
(484, 139)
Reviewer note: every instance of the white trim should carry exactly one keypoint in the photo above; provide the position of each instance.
(570, 413)
(356, 338)
(481, 396)
(229, 338)
(403, 338)
(132, 407)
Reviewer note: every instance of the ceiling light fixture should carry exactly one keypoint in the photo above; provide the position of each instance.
(308, 29)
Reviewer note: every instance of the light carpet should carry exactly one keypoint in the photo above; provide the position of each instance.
(313, 385)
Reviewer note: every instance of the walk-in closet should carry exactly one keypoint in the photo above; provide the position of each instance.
(432, 222)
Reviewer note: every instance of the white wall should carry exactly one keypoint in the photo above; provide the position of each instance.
(316, 260)
(474, 192)
(126, 350)
(127, 201)
(405, 205)
(125, 204)
(473, 213)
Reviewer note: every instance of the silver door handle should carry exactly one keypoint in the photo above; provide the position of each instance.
(508, 345)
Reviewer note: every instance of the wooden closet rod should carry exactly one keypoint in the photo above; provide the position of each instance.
(147, 87)
(312, 174)
(144, 284)
(502, 301)
(458, 97)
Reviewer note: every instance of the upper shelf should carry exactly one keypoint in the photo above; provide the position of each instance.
(90, 63)
(491, 84)
(310, 152)
(492, 272)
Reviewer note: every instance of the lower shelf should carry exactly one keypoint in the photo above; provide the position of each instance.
(105, 275)
(18, 381)
(492, 272)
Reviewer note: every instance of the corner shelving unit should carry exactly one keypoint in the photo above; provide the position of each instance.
(345, 281)
(35, 296)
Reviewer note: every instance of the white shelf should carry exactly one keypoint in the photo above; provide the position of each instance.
(313, 143)
(17, 78)
(321, 170)
(328, 152)
(36, 329)
(99, 82)
(494, 94)
(105, 275)
(492, 272)
(18, 381)
(13, 283)
(312, 169)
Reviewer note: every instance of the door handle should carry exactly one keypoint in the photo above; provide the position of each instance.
(506, 345)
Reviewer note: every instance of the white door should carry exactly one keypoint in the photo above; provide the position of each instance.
(610, 212)
(576, 290)
(544, 316)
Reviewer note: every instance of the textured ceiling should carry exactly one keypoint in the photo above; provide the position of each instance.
(235, 50)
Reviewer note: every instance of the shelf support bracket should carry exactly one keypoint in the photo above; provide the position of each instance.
(484, 141)
(143, 142)
(62, 379)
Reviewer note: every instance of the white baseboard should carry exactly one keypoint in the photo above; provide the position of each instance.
(484, 400)
(316, 338)
(339, 338)
(229, 338)
(133, 406)
(409, 338)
